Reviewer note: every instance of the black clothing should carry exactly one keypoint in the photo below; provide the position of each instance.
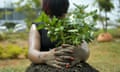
(46, 43)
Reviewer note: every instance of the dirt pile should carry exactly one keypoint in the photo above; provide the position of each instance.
(81, 67)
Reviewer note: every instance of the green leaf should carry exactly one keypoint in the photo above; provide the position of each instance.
(41, 26)
(73, 30)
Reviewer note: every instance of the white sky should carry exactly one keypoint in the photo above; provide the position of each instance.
(71, 1)
(85, 2)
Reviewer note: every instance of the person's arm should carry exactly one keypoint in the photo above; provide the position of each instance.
(48, 57)
(34, 53)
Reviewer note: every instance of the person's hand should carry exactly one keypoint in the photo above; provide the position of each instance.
(64, 49)
(65, 54)
(56, 57)
(81, 53)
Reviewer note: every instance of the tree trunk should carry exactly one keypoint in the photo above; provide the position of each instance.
(103, 26)
(106, 24)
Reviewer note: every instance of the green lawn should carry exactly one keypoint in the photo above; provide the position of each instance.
(104, 56)
(14, 65)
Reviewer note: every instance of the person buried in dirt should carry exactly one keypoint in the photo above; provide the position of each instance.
(44, 54)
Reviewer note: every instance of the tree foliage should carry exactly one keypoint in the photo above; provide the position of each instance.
(30, 8)
(106, 6)
(9, 25)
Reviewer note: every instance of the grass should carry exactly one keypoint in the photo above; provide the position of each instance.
(114, 32)
(11, 37)
(104, 56)
(14, 65)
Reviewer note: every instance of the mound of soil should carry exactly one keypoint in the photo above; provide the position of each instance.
(81, 67)
(104, 37)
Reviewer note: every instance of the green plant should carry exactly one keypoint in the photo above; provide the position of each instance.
(72, 29)
(14, 36)
(2, 36)
(113, 32)
(12, 51)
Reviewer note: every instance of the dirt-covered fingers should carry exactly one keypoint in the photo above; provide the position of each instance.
(59, 64)
(59, 53)
(66, 58)
(64, 52)
(56, 65)
(66, 45)
(58, 48)
(67, 65)
(59, 59)
(68, 50)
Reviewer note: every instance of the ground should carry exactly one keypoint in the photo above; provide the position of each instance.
(104, 56)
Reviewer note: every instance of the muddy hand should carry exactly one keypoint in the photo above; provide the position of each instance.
(81, 53)
(50, 60)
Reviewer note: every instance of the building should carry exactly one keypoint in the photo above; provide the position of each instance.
(10, 15)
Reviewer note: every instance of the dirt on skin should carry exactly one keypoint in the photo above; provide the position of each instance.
(81, 67)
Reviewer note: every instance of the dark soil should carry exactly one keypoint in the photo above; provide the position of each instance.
(81, 67)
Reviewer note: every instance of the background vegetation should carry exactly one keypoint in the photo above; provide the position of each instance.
(105, 56)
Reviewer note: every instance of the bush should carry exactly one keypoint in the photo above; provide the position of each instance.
(2, 36)
(114, 32)
(13, 36)
(9, 25)
(12, 51)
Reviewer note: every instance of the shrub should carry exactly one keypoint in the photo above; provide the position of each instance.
(9, 25)
(13, 36)
(12, 51)
(2, 36)
(114, 32)
(72, 29)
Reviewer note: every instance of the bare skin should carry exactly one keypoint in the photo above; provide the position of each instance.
(55, 57)
(48, 57)
(34, 46)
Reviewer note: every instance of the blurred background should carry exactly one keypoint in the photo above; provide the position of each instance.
(16, 17)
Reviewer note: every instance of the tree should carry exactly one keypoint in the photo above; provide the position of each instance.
(106, 6)
(118, 20)
(9, 25)
(30, 8)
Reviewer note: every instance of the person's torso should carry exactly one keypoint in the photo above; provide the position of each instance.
(45, 41)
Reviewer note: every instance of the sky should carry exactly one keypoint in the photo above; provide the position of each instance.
(71, 2)
(112, 15)
(85, 2)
